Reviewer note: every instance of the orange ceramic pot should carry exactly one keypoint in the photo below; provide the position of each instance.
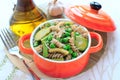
(61, 69)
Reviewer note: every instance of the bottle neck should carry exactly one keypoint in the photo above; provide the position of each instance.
(25, 5)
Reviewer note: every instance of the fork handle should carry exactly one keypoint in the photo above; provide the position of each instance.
(31, 71)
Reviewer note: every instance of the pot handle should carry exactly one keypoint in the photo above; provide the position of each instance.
(21, 44)
(99, 45)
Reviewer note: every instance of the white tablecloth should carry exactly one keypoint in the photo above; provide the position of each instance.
(107, 68)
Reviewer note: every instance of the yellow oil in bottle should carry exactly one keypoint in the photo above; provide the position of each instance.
(26, 17)
(24, 28)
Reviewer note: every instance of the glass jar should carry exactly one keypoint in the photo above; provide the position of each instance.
(26, 17)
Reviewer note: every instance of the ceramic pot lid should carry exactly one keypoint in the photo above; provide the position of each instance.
(91, 16)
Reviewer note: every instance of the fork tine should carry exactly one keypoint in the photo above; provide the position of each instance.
(4, 40)
(7, 39)
(10, 36)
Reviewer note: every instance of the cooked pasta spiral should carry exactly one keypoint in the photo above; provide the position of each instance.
(71, 40)
(55, 56)
(58, 44)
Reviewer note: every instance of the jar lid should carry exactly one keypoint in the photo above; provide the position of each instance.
(91, 16)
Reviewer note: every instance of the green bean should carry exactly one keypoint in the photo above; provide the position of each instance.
(45, 49)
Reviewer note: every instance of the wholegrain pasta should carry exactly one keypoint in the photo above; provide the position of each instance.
(62, 41)
(55, 56)
(58, 44)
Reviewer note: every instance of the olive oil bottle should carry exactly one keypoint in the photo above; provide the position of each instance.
(26, 17)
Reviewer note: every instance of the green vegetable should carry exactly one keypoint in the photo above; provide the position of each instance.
(68, 30)
(36, 43)
(65, 40)
(47, 37)
(59, 39)
(74, 54)
(45, 49)
(67, 47)
(81, 43)
(67, 34)
(47, 25)
(52, 45)
(77, 34)
(70, 51)
(67, 23)
(40, 34)
(73, 57)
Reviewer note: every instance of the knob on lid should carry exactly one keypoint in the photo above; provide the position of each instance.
(91, 16)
